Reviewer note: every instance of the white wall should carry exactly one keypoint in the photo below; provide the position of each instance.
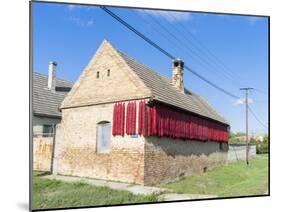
(238, 152)
(38, 123)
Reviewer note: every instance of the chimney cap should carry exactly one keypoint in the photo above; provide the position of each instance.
(53, 62)
(177, 62)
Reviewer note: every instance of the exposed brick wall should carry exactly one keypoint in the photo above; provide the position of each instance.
(77, 149)
(42, 153)
(123, 163)
(166, 159)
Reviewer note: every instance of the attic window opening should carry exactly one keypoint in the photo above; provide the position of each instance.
(108, 72)
(98, 74)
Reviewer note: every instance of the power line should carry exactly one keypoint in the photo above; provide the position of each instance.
(191, 70)
(207, 60)
(136, 31)
(183, 44)
(255, 116)
(166, 37)
(116, 17)
(217, 60)
(170, 41)
(261, 92)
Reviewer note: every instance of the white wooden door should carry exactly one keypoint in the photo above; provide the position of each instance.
(103, 137)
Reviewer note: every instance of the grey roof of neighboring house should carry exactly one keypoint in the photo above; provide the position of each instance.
(46, 102)
(163, 91)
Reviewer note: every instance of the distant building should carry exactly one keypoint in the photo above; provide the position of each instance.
(48, 94)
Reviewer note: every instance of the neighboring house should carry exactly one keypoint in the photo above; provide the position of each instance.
(123, 121)
(48, 94)
(243, 138)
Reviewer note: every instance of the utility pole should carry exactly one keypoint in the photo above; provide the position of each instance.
(246, 107)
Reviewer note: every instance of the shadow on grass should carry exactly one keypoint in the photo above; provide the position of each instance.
(41, 173)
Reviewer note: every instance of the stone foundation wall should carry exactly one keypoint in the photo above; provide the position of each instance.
(42, 153)
(166, 159)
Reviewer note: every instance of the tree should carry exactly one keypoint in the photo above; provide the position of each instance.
(262, 148)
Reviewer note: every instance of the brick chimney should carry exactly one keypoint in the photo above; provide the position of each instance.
(177, 79)
(52, 76)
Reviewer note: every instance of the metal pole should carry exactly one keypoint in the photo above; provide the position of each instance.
(247, 141)
(247, 137)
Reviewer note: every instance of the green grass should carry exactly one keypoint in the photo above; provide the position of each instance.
(235, 179)
(58, 194)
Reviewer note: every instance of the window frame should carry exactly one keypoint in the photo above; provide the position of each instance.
(49, 133)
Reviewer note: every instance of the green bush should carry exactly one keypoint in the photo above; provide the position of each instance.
(262, 148)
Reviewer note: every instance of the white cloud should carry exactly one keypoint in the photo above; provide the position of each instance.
(72, 7)
(242, 101)
(253, 19)
(170, 16)
(75, 10)
(81, 22)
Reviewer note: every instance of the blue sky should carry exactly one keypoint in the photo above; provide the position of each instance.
(229, 50)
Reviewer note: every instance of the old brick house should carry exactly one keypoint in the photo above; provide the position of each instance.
(122, 121)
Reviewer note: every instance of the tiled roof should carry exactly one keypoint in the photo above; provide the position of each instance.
(163, 91)
(46, 102)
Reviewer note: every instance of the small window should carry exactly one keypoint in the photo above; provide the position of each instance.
(98, 74)
(108, 72)
(47, 130)
(103, 137)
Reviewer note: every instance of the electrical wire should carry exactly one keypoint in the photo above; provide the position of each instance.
(210, 53)
(116, 17)
(255, 116)
(196, 51)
